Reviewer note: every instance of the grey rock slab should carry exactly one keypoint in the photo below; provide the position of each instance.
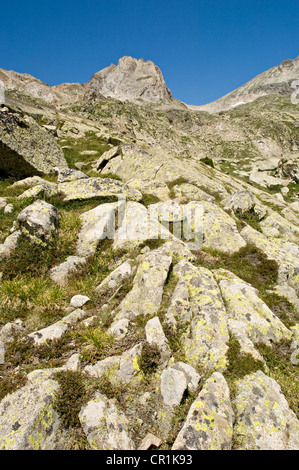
(104, 425)
(27, 418)
(146, 295)
(57, 329)
(206, 340)
(97, 224)
(209, 423)
(61, 274)
(89, 188)
(9, 245)
(116, 277)
(264, 420)
(173, 384)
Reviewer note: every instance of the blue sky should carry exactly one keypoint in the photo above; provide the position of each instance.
(205, 49)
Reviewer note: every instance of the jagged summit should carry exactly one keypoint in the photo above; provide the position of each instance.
(132, 80)
(276, 80)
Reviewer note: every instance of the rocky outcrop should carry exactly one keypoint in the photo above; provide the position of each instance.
(62, 273)
(209, 423)
(132, 80)
(25, 148)
(57, 329)
(206, 340)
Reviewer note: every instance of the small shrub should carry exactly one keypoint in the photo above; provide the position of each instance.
(250, 217)
(70, 397)
(207, 161)
(149, 358)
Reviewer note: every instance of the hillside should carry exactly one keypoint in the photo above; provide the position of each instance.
(149, 291)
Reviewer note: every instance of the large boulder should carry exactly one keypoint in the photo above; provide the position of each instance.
(26, 149)
(89, 188)
(39, 222)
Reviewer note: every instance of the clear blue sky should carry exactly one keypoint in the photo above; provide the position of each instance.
(205, 49)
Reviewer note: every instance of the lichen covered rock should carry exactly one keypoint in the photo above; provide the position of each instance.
(209, 423)
(89, 188)
(27, 418)
(25, 148)
(146, 294)
(39, 222)
(206, 341)
(264, 419)
(249, 318)
(105, 427)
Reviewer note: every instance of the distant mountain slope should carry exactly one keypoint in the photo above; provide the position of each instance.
(276, 80)
(129, 80)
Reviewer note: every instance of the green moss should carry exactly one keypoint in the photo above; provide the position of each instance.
(281, 307)
(109, 389)
(148, 199)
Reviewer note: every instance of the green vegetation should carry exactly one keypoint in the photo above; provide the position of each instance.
(250, 217)
(277, 357)
(11, 383)
(149, 358)
(70, 397)
(207, 161)
(73, 148)
(148, 199)
(249, 263)
(239, 363)
(98, 338)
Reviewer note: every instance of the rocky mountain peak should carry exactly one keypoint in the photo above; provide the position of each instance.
(131, 80)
